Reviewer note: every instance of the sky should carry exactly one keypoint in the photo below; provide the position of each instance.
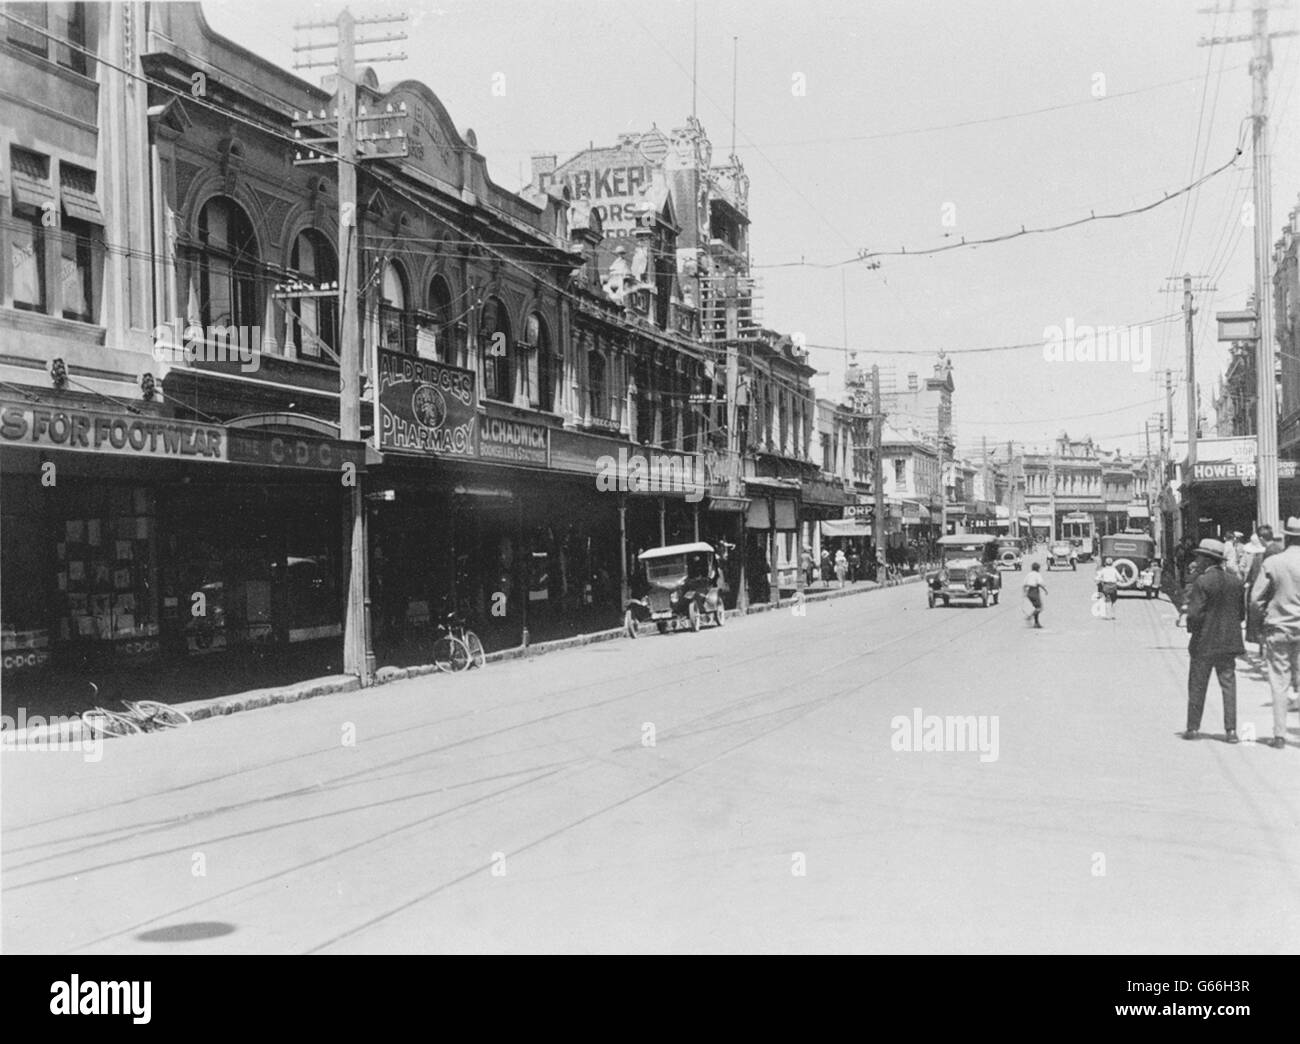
(896, 125)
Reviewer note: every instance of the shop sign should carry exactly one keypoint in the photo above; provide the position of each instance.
(1237, 471)
(292, 451)
(514, 442)
(91, 431)
(426, 406)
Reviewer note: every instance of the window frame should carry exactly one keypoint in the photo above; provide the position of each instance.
(242, 268)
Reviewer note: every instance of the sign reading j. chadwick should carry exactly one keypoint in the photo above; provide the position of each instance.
(426, 407)
(513, 441)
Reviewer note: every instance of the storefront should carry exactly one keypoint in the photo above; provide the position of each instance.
(771, 538)
(529, 530)
(134, 540)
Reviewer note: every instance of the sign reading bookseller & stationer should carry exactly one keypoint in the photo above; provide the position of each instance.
(513, 441)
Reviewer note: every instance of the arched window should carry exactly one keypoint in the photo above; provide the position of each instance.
(449, 344)
(541, 369)
(396, 330)
(313, 323)
(228, 266)
(497, 351)
(597, 387)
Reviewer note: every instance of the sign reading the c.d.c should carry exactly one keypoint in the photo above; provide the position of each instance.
(426, 406)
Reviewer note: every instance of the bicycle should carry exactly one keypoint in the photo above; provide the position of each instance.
(140, 716)
(456, 647)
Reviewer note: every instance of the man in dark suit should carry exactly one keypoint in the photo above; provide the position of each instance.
(1214, 613)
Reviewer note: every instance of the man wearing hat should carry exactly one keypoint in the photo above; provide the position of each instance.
(1215, 608)
(1277, 592)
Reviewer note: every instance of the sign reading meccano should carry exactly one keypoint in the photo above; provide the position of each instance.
(64, 427)
(425, 406)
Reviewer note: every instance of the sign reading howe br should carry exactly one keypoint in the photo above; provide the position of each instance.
(426, 407)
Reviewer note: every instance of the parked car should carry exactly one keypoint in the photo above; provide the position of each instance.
(968, 569)
(683, 589)
(1010, 552)
(1136, 559)
(1060, 555)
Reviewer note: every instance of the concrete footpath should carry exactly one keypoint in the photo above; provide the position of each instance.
(255, 699)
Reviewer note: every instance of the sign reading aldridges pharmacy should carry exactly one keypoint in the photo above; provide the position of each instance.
(92, 431)
(426, 407)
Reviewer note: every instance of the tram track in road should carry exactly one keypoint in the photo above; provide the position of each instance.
(788, 713)
(801, 711)
(655, 683)
(116, 835)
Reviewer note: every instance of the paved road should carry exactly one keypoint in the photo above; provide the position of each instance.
(736, 789)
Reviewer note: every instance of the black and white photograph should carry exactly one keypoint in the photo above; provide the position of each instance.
(699, 477)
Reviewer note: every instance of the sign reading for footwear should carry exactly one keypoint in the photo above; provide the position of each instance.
(91, 431)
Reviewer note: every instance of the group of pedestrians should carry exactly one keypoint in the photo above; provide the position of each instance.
(1255, 584)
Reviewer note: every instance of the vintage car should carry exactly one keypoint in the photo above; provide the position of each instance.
(682, 588)
(1011, 552)
(1061, 556)
(968, 569)
(1136, 559)
(1082, 549)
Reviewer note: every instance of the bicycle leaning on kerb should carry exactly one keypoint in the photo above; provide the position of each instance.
(455, 647)
(138, 717)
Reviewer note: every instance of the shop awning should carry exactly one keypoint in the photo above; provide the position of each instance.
(728, 504)
(847, 527)
(1139, 511)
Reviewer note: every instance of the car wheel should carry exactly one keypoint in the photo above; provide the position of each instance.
(930, 598)
(946, 602)
(629, 623)
(693, 613)
(984, 599)
(721, 615)
(662, 625)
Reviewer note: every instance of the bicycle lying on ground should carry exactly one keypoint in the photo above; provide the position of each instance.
(140, 716)
(456, 647)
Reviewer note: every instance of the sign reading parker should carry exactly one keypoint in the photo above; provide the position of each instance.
(426, 407)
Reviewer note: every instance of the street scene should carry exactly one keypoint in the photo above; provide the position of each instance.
(714, 477)
(759, 788)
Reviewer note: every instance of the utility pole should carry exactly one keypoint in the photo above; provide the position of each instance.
(358, 650)
(877, 465)
(1267, 509)
(1193, 400)
(731, 297)
(1051, 466)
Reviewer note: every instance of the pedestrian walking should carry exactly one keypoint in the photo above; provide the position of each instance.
(1233, 553)
(806, 565)
(1108, 586)
(1034, 589)
(1214, 615)
(855, 565)
(841, 566)
(828, 568)
(1256, 551)
(1277, 593)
